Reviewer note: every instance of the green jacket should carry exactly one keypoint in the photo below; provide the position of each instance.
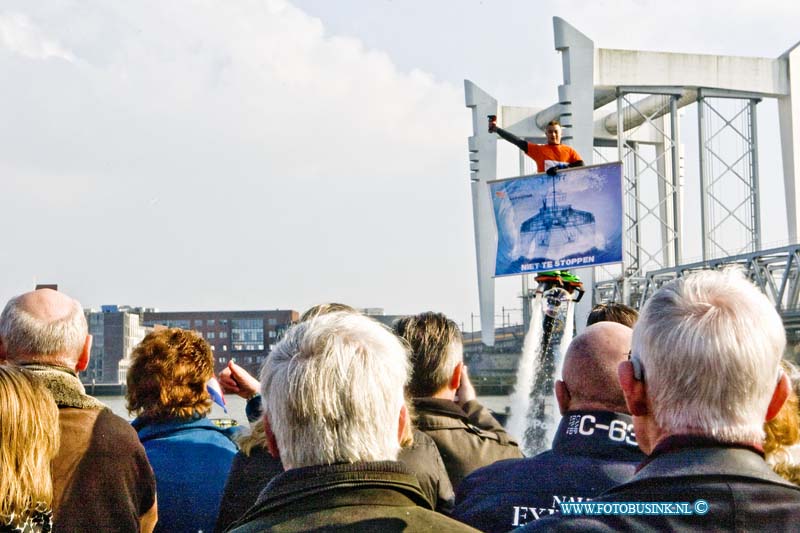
(468, 437)
(381, 496)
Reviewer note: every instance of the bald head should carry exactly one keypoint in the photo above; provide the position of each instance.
(590, 368)
(44, 326)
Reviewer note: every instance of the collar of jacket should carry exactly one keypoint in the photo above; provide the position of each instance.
(398, 485)
(151, 429)
(600, 434)
(717, 460)
(439, 406)
(64, 385)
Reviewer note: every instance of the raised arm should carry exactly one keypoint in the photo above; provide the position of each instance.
(510, 137)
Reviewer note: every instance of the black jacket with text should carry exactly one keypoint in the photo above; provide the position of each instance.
(718, 487)
(592, 452)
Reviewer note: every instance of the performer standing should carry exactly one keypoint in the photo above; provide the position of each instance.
(549, 157)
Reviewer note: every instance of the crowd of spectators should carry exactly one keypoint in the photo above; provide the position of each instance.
(683, 418)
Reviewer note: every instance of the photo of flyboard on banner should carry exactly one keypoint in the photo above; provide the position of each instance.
(567, 221)
(548, 225)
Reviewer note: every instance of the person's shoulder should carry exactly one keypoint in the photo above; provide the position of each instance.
(116, 428)
(505, 469)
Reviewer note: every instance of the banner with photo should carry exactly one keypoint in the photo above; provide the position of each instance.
(571, 220)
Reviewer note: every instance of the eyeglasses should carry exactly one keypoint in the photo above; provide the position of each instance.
(638, 369)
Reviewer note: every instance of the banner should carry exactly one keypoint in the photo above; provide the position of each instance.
(571, 220)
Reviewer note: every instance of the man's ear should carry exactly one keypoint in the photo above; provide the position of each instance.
(83, 359)
(635, 391)
(779, 396)
(405, 421)
(272, 443)
(455, 379)
(563, 396)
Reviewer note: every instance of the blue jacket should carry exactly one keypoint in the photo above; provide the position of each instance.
(191, 459)
(592, 452)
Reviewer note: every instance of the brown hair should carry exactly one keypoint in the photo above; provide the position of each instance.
(613, 312)
(553, 123)
(168, 375)
(29, 440)
(430, 337)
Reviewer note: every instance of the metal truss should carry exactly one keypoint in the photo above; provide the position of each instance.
(728, 172)
(651, 222)
(776, 272)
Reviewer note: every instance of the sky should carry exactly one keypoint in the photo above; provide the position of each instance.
(265, 154)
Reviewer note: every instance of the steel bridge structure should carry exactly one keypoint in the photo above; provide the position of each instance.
(624, 105)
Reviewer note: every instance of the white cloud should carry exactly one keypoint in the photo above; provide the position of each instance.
(290, 166)
(20, 36)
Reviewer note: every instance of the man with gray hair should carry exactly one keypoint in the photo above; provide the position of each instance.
(703, 377)
(594, 447)
(334, 412)
(102, 480)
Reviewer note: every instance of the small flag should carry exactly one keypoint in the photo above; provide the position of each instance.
(215, 391)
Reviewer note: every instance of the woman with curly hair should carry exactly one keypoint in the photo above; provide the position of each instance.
(190, 455)
(28, 442)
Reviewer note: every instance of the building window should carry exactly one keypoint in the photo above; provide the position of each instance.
(198, 323)
(221, 359)
(181, 324)
(210, 335)
(209, 322)
(224, 347)
(247, 334)
(223, 334)
(272, 334)
(248, 359)
(213, 347)
(223, 322)
(272, 322)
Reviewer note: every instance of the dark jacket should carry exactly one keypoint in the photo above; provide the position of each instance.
(592, 452)
(380, 496)
(191, 459)
(468, 437)
(424, 460)
(741, 491)
(248, 476)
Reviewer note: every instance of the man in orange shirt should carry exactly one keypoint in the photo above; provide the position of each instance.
(549, 157)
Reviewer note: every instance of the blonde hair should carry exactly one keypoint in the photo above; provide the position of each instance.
(257, 438)
(29, 440)
(783, 431)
